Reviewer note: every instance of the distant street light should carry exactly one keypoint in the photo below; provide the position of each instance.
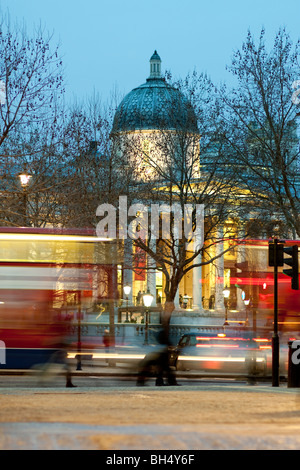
(127, 290)
(247, 302)
(147, 301)
(226, 294)
(24, 181)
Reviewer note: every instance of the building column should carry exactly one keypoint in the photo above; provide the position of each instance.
(197, 283)
(219, 272)
(127, 268)
(176, 299)
(151, 273)
(241, 256)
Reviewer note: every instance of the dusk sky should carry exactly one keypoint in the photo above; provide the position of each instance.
(107, 44)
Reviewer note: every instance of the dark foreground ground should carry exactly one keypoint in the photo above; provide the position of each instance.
(111, 413)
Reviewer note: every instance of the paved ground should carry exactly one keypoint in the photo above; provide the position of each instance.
(208, 415)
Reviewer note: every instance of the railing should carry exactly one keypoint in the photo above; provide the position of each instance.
(137, 330)
(139, 310)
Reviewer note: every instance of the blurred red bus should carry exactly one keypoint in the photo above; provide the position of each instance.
(254, 279)
(47, 278)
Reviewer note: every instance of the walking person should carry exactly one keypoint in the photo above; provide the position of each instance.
(159, 361)
(107, 342)
(139, 298)
(58, 361)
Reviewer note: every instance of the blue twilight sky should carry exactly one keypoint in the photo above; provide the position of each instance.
(107, 44)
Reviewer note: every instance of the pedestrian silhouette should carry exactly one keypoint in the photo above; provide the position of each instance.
(158, 362)
(139, 298)
(106, 340)
(58, 344)
(58, 361)
(108, 345)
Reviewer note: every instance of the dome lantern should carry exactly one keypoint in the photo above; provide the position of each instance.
(155, 66)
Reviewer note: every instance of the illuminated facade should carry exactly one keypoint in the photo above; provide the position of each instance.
(147, 125)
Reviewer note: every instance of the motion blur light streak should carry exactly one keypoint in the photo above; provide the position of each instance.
(39, 237)
(216, 359)
(116, 356)
(229, 346)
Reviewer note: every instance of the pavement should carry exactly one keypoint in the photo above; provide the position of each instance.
(210, 414)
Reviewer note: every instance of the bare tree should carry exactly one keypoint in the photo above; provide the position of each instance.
(32, 76)
(260, 119)
(98, 173)
(168, 171)
(32, 85)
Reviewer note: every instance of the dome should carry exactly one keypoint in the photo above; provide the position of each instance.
(155, 105)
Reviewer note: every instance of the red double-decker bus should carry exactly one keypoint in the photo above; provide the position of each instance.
(48, 278)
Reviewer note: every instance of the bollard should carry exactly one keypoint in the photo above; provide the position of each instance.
(2, 352)
(294, 364)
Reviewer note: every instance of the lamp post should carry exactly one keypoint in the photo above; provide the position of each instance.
(24, 178)
(226, 294)
(127, 290)
(79, 332)
(147, 301)
(247, 302)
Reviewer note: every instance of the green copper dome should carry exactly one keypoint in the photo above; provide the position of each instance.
(155, 105)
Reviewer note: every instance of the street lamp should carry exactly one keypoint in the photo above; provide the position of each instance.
(147, 301)
(127, 290)
(226, 294)
(79, 331)
(24, 178)
(247, 302)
